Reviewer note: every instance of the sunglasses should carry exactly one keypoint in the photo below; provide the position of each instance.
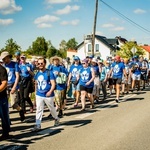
(83, 63)
(40, 63)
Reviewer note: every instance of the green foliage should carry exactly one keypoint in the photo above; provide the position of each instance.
(125, 50)
(39, 46)
(71, 44)
(11, 46)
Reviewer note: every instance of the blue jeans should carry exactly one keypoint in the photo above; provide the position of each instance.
(4, 115)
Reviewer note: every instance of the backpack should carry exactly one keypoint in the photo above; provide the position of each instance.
(62, 79)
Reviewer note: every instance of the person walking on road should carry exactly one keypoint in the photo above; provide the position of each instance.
(13, 79)
(118, 70)
(4, 104)
(87, 76)
(44, 85)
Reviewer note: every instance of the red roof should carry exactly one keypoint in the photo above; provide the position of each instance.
(147, 48)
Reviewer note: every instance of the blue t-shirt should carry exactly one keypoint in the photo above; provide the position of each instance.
(43, 82)
(118, 70)
(138, 64)
(11, 68)
(85, 76)
(23, 70)
(59, 69)
(74, 70)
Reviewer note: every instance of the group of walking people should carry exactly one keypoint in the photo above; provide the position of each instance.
(84, 79)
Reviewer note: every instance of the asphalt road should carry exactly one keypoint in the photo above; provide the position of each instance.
(110, 126)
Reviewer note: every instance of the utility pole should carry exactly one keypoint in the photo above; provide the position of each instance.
(94, 28)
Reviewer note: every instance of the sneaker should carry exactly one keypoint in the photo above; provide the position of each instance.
(60, 114)
(117, 101)
(56, 123)
(36, 128)
(92, 106)
(22, 117)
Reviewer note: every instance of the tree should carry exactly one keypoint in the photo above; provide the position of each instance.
(72, 44)
(39, 46)
(126, 50)
(62, 49)
(63, 45)
(11, 46)
(51, 50)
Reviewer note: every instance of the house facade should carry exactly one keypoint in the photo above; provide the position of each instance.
(146, 48)
(103, 47)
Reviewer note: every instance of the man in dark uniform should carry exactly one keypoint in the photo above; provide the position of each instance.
(4, 104)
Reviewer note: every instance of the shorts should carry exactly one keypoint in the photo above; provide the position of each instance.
(59, 96)
(117, 81)
(128, 81)
(110, 81)
(136, 77)
(88, 90)
(143, 76)
(75, 87)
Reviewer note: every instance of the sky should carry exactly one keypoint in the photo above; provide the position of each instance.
(57, 20)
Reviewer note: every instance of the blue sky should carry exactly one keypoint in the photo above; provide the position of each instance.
(57, 20)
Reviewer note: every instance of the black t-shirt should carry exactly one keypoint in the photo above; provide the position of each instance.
(3, 77)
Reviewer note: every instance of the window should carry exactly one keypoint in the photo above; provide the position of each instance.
(89, 47)
(97, 48)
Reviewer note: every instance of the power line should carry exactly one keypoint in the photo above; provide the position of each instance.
(126, 18)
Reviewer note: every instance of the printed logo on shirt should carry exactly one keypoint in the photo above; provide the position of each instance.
(10, 74)
(116, 69)
(75, 72)
(84, 75)
(41, 83)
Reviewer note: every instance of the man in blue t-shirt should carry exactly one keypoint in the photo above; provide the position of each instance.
(13, 79)
(44, 85)
(117, 71)
(61, 81)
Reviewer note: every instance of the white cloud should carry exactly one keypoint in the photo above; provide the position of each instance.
(139, 11)
(9, 7)
(107, 25)
(5, 22)
(114, 19)
(73, 22)
(118, 29)
(68, 9)
(99, 33)
(46, 18)
(57, 1)
(44, 25)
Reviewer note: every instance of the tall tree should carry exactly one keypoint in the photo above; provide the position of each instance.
(72, 44)
(39, 46)
(51, 50)
(129, 49)
(63, 45)
(11, 46)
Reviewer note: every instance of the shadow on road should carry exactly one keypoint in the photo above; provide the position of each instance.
(77, 123)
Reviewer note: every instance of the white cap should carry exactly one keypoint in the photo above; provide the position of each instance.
(94, 60)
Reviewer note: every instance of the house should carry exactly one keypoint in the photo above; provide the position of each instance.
(71, 53)
(103, 46)
(146, 48)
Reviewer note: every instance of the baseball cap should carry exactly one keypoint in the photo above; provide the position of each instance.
(76, 58)
(117, 57)
(17, 53)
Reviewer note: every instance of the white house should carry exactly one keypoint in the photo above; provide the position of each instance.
(103, 47)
